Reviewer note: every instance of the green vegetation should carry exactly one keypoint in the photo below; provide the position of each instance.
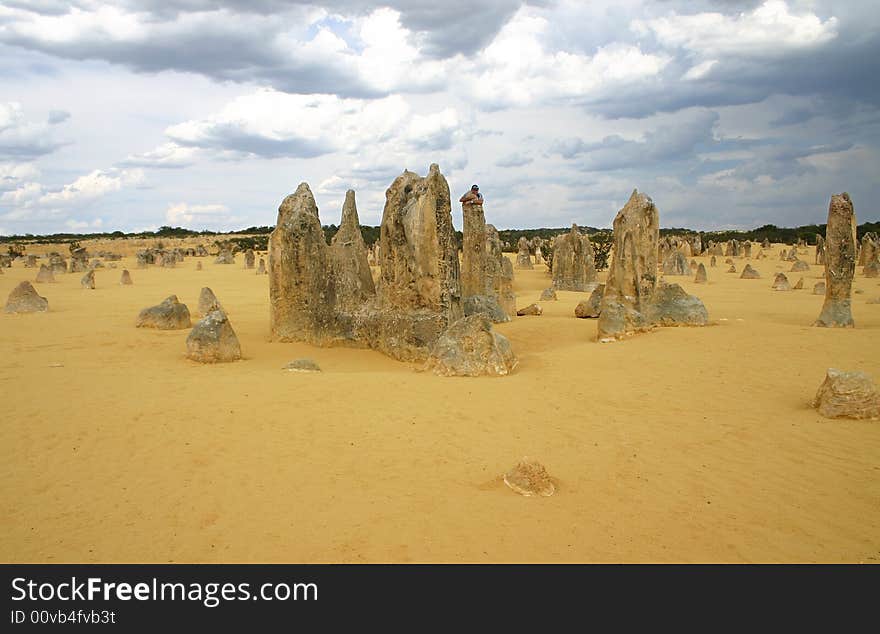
(257, 237)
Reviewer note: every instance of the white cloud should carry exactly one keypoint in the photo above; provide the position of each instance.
(167, 155)
(185, 214)
(93, 185)
(698, 71)
(21, 140)
(271, 124)
(769, 28)
(519, 69)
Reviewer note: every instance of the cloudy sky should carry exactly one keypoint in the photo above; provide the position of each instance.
(134, 114)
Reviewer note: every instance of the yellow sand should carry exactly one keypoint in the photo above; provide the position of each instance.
(684, 444)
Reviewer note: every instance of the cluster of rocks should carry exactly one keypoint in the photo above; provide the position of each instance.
(688, 245)
(168, 258)
(324, 294)
(633, 299)
(212, 338)
(79, 260)
(225, 256)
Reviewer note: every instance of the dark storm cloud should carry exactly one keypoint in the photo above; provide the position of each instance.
(230, 137)
(666, 143)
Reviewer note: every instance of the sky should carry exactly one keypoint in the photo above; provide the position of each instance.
(730, 114)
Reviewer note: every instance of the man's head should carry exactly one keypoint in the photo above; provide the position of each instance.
(474, 188)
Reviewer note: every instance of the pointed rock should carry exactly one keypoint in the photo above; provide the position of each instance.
(45, 274)
(749, 273)
(208, 302)
(125, 278)
(212, 340)
(169, 315)
(354, 280)
(24, 299)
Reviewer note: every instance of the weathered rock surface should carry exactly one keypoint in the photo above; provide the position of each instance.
(249, 259)
(88, 280)
(531, 309)
(676, 264)
(45, 274)
(780, 283)
(820, 249)
(548, 295)
(872, 269)
(25, 299)
(847, 395)
(348, 258)
(473, 250)
(634, 300)
(302, 365)
(125, 278)
(225, 257)
(573, 266)
(732, 268)
(212, 340)
(499, 276)
(591, 307)
(840, 263)
(701, 276)
(302, 291)
(799, 284)
(169, 315)
(530, 478)
(799, 267)
(749, 273)
(198, 266)
(672, 306)
(713, 261)
(819, 288)
(261, 268)
(208, 302)
(468, 347)
(523, 257)
(418, 293)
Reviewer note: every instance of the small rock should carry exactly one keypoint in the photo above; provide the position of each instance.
(548, 294)
(169, 315)
(749, 273)
(213, 340)
(847, 395)
(780, 283)
(302, 365)
(529, 478)
(590, 308)
(531, 309)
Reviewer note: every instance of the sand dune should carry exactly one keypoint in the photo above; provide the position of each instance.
(686, 445)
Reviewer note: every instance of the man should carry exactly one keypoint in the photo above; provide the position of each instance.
(473, 197)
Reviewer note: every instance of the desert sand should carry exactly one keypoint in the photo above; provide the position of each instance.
(680, 445)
